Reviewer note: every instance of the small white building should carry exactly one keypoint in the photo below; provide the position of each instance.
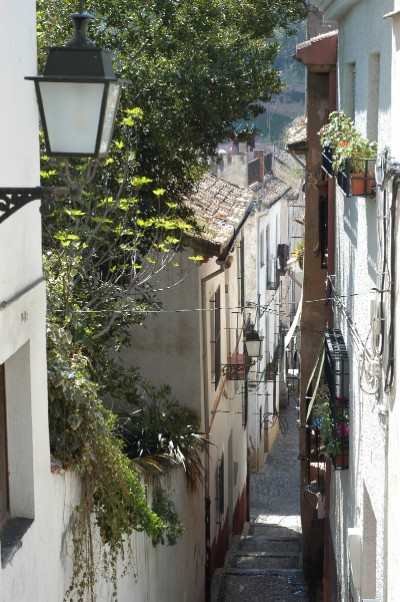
(272, 289)
(274, 293)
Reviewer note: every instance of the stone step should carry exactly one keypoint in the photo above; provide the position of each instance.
(286, 547)
(235, 585)
(263, 560)
(272, 530)
(291, 575)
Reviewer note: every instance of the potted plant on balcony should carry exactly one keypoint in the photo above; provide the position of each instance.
(332, 422)
(349, 150)
(298, 253)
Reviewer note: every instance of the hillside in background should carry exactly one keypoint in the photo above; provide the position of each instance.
(284, 107)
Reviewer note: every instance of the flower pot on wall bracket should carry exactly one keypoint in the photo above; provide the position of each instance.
(362, 184)
(341, 460)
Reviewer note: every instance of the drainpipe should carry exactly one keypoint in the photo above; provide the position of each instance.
(204, 280)
(224, 255)
(390, 366)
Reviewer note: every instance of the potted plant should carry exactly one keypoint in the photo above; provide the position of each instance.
(349, 150)
(298, 253)
(332, 421)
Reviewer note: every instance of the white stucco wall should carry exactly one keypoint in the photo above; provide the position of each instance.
(356, 48)
(233, 168)
(170, 339)
(359, 496)
(23, 306)
(41, 569)
(168, 573)
(393, 451)
(176, 347)
(19, 146)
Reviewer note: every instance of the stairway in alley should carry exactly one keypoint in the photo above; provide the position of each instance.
(264, 563)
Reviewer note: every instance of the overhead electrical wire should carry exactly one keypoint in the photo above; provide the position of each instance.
(249, 305)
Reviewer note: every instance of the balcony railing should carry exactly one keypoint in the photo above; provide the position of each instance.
(327, 160)
(337, 379)
(358, 184)
(353, 184)
(238, 366)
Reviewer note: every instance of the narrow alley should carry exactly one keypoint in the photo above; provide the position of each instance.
(264, 564)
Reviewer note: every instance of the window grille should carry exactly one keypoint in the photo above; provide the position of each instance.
(337, 380)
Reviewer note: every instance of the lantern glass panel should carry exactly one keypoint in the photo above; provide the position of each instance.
(72, 114)
(253, 347)
(109, 117)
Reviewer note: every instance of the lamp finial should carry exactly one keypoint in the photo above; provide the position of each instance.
(81, 21)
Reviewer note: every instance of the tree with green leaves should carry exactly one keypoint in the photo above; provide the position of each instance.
(195, 68)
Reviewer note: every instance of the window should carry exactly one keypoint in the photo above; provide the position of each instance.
(245, 403)
(350, 90)
(268, 258)
(373, 96)
(4, 500)
(282, 257)
(262, 246)
(17, 503)
(216, 333)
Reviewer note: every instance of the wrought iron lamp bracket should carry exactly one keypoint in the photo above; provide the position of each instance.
(13, 199)
(237, 370)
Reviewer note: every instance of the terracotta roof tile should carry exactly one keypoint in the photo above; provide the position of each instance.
(218, 207)
(271, 189)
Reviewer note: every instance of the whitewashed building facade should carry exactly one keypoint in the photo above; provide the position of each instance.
(364, 555)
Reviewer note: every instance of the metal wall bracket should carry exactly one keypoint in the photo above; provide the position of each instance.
(12, 199)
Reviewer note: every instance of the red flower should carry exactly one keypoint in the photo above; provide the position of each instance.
(344, 143)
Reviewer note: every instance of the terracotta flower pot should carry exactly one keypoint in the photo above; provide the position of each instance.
(361, 184)
(342, 459)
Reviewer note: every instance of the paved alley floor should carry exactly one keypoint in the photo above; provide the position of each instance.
(264, 564)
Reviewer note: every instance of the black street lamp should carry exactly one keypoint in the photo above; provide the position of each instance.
(78, 97)
(253, 343)
(239, 364)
